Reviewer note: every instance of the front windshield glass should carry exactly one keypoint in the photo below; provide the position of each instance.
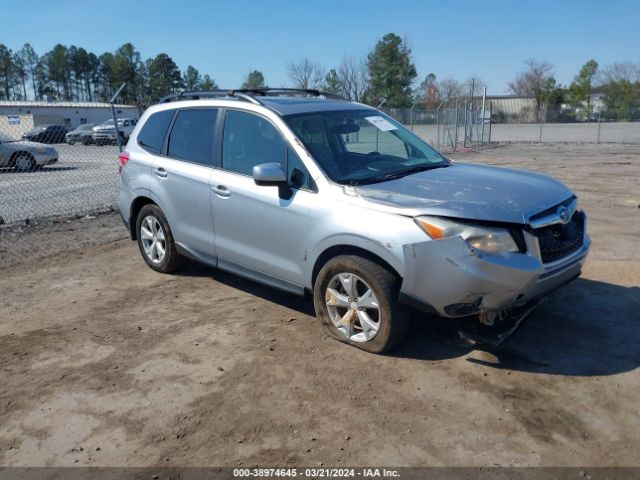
(362, 146)
(4, 138)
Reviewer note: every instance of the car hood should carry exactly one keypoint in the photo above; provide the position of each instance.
(474, 192)
(105, 128)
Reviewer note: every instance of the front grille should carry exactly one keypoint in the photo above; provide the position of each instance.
(558, 240)
(553, 209)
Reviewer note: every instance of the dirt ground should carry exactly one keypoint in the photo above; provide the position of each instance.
(105, 362)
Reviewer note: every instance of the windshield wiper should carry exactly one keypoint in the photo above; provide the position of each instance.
(399, 174)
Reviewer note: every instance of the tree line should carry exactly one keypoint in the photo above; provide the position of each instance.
(385, 77)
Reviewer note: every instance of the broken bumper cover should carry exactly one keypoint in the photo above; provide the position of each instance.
(449, 279)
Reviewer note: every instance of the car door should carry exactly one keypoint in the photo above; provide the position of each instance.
(260, 230)
(180, 180)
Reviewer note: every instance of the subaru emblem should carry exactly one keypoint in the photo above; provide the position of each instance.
(564, 214)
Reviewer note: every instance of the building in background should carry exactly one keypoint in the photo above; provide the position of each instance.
(18, 117)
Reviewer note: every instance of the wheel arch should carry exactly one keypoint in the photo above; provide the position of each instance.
(348, 249)
(17, 153)
(136, 206)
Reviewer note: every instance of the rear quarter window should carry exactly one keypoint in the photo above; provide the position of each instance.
(151, 136)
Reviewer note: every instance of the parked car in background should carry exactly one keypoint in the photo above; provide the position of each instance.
(82, 134)
(23, 155)
(106, 132)
(46, 134)
(336, 199)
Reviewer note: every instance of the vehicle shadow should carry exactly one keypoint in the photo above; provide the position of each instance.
(45, 168)
(300, 304)
(587, 328)
(55, 169)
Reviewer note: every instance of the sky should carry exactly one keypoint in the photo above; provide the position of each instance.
(227, 39)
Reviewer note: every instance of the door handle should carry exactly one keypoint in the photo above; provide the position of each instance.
(221, 190)
(161, 172)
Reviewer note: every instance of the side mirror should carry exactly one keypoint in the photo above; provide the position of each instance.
(267, 174)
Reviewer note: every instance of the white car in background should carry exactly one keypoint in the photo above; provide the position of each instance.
(23, 155)
(106, 133)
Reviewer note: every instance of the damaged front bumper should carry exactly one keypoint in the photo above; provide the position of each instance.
(450, 279)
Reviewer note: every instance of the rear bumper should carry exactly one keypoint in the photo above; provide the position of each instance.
(125, 198)
(449, 279)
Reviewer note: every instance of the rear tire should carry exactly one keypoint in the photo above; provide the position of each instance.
(356, 301)
(155, 240)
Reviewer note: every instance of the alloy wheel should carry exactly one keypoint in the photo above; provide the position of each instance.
(353, 307)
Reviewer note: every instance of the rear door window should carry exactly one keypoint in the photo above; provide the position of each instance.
(151, 137)
(191, 136)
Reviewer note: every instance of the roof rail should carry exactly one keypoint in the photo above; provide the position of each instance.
(289, 91)
(196, 94)
(248, 94)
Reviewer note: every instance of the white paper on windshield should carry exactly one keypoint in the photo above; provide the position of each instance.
(380, 123)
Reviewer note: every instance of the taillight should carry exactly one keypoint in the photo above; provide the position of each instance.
(123, 158)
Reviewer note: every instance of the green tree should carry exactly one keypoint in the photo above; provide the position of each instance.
(208, 83)
(552, 96)
(123, 70)
(7, 75)
(192, 79)
(622, 99)
(254, 80)
(58, 71)
(30, 60)
(391, 72)
(164, 76)
(332, 83)
(92, 75)
(580, 88)
(20, 77)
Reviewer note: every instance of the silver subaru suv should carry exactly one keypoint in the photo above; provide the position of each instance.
(310, 193)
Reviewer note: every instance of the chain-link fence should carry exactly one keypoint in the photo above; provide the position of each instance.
(59, 164)
(466, 123)
(463, 125)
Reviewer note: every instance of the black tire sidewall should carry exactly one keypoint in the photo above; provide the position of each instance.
(169, 260)
(32, 161)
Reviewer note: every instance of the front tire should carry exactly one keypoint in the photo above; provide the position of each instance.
(24, 162)
(155, 240)
(356, 302)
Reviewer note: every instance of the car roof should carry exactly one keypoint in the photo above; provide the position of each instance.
(294, 105)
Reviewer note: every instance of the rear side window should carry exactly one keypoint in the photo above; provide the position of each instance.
(191, 137)
(151, 137)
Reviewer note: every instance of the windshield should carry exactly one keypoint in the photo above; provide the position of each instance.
(4, 138)
(86, 126)
(362, 146)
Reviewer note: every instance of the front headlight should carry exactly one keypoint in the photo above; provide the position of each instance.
(485, 239)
